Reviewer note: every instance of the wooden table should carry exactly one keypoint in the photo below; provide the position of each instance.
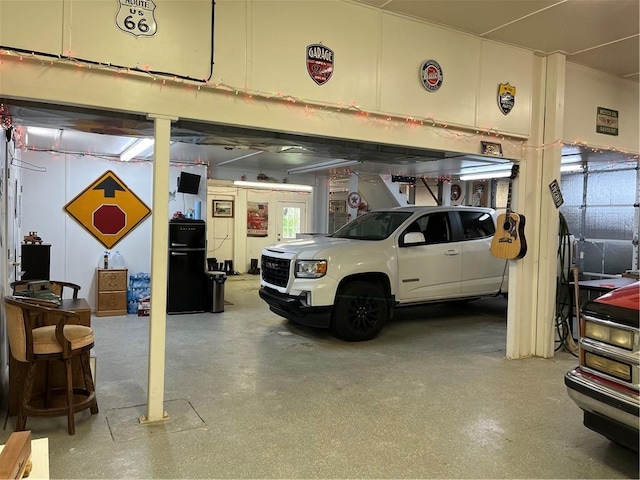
(81, 307)
(17, 370)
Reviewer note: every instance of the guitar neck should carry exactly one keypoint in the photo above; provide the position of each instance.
(514, 174)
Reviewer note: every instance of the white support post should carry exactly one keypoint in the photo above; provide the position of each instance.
(532, 282)
(159, 245)
(549, 226)
(320, 201)
(352, 213)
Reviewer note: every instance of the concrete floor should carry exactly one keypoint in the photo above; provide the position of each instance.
(252, 396)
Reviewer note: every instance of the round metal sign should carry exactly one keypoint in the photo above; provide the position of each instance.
(431, 75)
(354, 199)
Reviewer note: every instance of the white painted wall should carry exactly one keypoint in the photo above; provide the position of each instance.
(588, 89)
(227, 237)
(260, 78)
(87, 30)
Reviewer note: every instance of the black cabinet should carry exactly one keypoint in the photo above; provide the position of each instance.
(36, 260)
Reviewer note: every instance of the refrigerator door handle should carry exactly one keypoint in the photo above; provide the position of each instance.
(178, 245)
(175, 254)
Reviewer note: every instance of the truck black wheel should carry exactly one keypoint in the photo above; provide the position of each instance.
(360, 311)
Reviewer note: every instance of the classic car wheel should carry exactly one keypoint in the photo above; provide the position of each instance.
(360, 311)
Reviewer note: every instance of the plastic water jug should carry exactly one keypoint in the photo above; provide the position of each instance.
(116, 260)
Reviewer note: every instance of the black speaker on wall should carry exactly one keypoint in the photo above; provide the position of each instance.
(188, 183)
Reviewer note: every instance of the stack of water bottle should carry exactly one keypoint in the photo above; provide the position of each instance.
(139, 292)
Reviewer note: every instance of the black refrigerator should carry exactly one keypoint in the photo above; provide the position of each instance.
(186, 285)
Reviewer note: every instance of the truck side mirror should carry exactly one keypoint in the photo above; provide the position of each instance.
(412, 238)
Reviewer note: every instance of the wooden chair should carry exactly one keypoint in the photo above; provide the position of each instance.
(39, 334)
(57, 286)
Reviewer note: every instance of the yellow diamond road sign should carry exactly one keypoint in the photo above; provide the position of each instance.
(107, 209)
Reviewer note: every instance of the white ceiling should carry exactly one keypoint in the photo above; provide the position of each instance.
(600, 34)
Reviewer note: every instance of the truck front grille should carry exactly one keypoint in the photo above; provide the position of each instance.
(275, 270)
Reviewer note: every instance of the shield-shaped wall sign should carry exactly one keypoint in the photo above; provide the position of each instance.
(137, 17)
(506, 97)
(319, 63)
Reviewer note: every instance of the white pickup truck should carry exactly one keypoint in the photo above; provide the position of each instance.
(351, 281)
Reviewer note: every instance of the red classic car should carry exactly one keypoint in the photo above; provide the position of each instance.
(606, 384)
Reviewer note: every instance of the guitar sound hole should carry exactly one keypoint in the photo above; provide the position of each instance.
(506, 226)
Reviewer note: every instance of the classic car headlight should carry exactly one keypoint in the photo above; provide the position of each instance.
(607, 334)
(311, 268)
(606, 365)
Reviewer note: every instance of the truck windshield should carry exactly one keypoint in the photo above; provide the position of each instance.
(372, 226)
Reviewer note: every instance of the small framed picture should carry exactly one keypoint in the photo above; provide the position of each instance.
(490, 148)
(223, 208)
(338, 206)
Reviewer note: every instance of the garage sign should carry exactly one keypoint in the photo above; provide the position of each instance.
(107, 209)
(431, 75)
(319, 63)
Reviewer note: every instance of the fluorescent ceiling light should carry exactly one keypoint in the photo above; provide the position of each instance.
(481, 158)
(486, 175)
(42, 130)
(328, 165)
(136, 148)
(572, 167)
(487, 169)
(274, 186)
(240, 158)
(291, 147)
(571, 159)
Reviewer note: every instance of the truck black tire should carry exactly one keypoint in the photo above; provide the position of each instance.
(360, 311)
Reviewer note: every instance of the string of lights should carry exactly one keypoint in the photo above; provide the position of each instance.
(102, 156)
(459, 132)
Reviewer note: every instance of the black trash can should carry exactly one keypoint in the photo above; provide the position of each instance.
(215, 291)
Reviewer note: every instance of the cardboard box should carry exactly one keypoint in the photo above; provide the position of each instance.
(144, 307)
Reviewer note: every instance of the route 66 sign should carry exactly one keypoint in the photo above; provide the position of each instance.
(506, 97)
(136, 17)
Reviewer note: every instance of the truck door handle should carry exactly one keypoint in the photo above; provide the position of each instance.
(450, 253)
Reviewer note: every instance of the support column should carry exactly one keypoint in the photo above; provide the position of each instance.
(352, 213)
(240, 246)
(159, 245)
(320, 205)
(532, 280)
(549, 226)
(444, 192)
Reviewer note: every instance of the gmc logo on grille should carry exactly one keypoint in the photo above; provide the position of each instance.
(271, 264)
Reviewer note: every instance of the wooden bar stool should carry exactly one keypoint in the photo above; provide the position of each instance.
(42, 334)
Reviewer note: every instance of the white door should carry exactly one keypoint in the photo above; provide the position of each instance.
(430, 270)
(291, 219)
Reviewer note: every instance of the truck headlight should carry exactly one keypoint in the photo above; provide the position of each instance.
(311, 268)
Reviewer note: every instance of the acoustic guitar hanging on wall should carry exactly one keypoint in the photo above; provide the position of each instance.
(509, 242)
